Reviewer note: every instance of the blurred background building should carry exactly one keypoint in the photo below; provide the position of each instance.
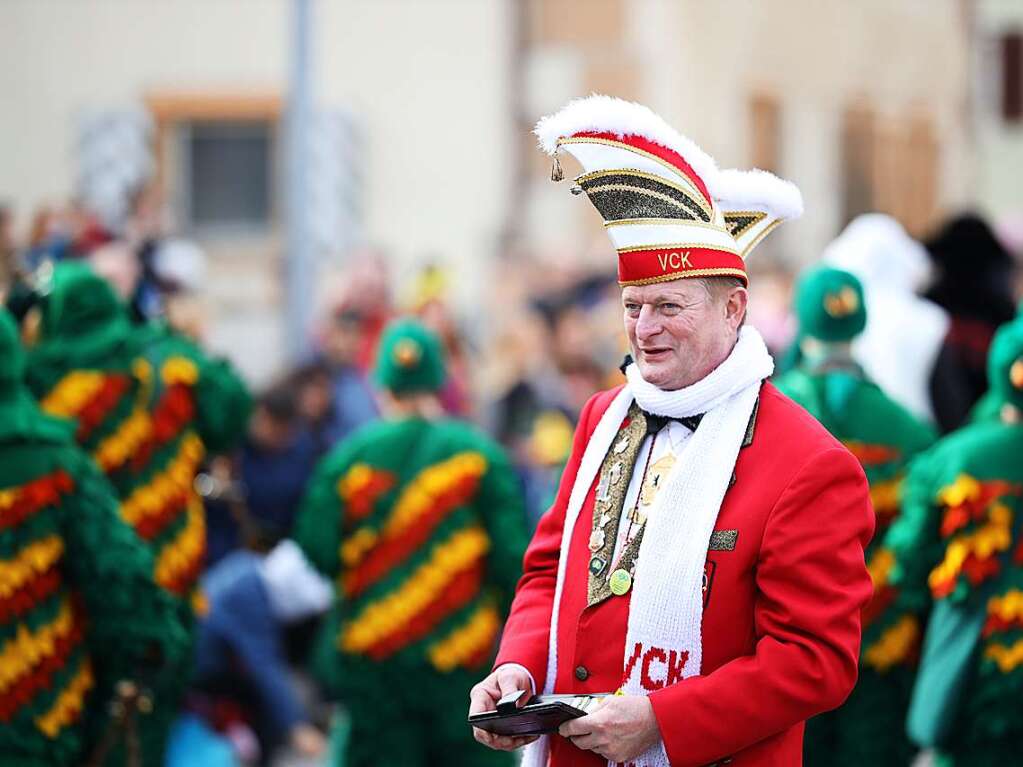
(419, 136)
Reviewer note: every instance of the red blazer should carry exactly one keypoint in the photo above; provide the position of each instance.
(781, 619)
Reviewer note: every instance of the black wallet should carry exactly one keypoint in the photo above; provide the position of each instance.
(541, 715)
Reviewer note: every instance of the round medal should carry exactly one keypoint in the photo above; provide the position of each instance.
(620, 582)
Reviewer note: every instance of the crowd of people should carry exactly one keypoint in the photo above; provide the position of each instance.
(210, 479)
(188, 573)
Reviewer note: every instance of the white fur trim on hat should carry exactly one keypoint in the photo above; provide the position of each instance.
(606, 114)
(756, 190)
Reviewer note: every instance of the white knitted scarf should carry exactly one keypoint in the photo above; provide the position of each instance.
(663, 643)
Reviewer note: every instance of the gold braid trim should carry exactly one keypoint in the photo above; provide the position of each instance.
(686, 188)
(663, 222)
(723, 272)
(756, 240)
(676, 246)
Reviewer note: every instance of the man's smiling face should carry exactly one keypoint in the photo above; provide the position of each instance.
(681, 330)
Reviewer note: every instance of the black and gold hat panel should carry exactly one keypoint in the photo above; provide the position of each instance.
(624, 194)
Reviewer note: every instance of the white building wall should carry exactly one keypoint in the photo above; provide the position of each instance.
(818, 58)
(427, 80)
(58, 57)
(1000, 145)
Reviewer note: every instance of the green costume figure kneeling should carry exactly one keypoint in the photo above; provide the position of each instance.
(79, 609)
(958, 550)
(421, 521)
(867, 729)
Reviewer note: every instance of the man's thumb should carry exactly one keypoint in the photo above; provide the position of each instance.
(510, 681)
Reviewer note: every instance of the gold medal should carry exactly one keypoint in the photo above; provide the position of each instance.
(655, 478)
(620, 582)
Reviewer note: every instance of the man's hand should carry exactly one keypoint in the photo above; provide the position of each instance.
(484, 696)
(620, 730)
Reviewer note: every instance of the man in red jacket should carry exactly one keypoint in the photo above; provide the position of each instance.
(704, 555)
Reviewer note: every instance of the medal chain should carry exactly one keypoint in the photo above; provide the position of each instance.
(633, 515)
(671, 440)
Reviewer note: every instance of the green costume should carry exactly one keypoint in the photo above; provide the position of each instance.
(958, 549)
(78, 606)
(884, 437)
(195, 407)
(146, 405)
(422, 524)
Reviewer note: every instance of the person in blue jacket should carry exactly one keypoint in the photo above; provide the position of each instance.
(240, 642)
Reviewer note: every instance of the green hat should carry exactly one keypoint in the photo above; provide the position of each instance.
(829, 305)
(1005, 363)
(409, 359)
(77, 302)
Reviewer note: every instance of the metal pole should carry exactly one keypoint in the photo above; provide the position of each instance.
(299, 250)
(522, 121)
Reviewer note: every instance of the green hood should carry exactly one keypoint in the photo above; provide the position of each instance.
(83, 325)
(20, 417)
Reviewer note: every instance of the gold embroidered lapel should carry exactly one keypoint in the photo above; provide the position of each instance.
(615, 475)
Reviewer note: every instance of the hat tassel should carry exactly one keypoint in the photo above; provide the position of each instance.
(556, 172)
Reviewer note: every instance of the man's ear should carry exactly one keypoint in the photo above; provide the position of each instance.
(735, 306)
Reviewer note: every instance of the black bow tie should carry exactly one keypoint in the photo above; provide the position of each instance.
(654, 423)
